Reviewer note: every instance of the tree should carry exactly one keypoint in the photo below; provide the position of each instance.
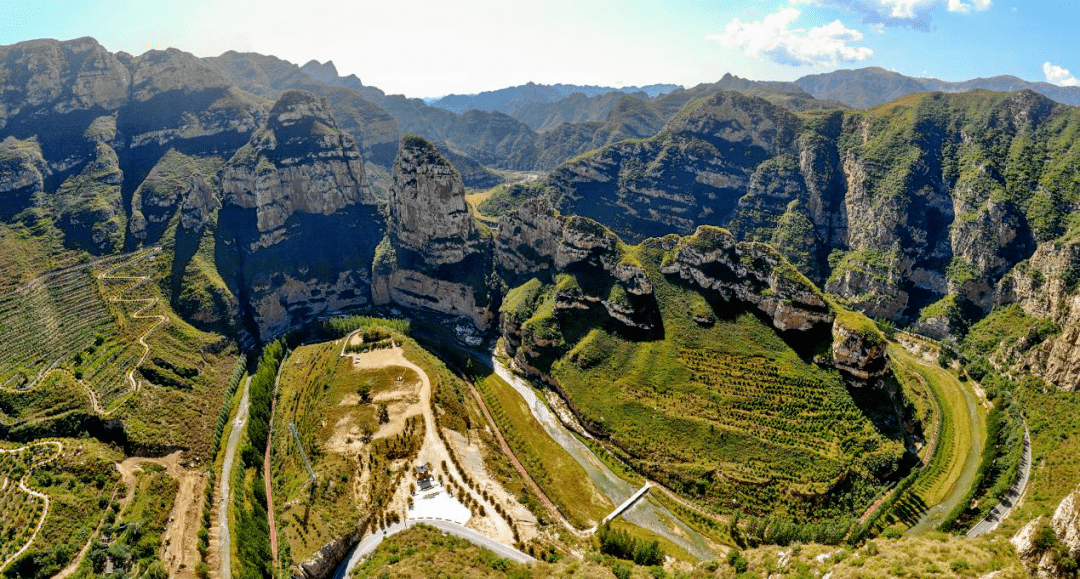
(364, 391)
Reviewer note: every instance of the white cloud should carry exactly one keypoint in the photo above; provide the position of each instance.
(774, 38)
(915, 13)
(1059, 76)
(965, 7)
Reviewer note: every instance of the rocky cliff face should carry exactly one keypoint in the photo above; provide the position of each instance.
(298, 219)
(756, 274)
(577, 273)
(1043, 554)
(536, 242)
(434, 257)
(886, 207)
(1045, 287)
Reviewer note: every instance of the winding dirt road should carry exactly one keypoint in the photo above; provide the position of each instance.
(42, 496)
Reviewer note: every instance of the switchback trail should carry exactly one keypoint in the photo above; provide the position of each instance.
(138, 314)
(42, 496)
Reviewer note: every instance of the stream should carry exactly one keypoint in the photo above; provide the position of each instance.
(645, 514)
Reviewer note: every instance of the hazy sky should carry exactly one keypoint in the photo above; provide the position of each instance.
(424, 48)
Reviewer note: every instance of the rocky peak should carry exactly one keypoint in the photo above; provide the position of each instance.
(297, 163)
(734, 117)
(62, 76)
(300, 114)
(299, 217)
(161, 71)
(428, 212)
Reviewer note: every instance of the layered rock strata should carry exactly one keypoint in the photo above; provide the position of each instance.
(298, 220)
(434, 257)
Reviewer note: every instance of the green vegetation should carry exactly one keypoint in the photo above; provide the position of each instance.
(81, 482)
(251, 533)
(348, 444)
(556, 472)
(727, 414)
(619, 543)
(1048, 413)
(504, 199)
(133, 542)
(955, 435)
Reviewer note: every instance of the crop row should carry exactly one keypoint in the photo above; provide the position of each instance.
(47, 320)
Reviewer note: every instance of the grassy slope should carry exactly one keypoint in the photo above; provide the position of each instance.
(959, 446)
(1051, 415)
(561, 478)
(314, 381)
(728, 411)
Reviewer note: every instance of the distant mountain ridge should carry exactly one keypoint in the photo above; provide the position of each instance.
(870, 86)
(511, 99)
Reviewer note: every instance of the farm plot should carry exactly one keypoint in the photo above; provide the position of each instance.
(46, 321)
(24, 509)
(88, 321)
(958, 444)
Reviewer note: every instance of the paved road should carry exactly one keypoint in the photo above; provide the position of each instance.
(226, 476)
(1002, 509)
(368, 545)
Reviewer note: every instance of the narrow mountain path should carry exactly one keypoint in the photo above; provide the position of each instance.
(138, 314)
(39, 495)
(266, 461)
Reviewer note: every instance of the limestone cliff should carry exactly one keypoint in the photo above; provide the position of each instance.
(579, 268)
(756, 274)
(576, 270)
(298, 221)
(1050, 548)
(893, 208)
(1045, 287)
(435, 257)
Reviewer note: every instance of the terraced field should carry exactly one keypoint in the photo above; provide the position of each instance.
(952, 458)
(46, 320)
(24, 509)
(730, 414)
(88, 321)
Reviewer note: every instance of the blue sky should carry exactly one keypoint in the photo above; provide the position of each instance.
(425, 48)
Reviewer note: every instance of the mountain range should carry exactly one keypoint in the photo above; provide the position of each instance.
(704, 279)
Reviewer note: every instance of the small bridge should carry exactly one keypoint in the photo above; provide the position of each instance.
(627, 503)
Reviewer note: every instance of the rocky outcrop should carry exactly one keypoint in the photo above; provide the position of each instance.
(298, 218)
(58, 77)
(755, 274)
(752, 273)
(327, 559)
(892, 209)
(858, 348)
(1043, 544)
(434, 257)
(1045, 287)
(89, 205)
(579, 275)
